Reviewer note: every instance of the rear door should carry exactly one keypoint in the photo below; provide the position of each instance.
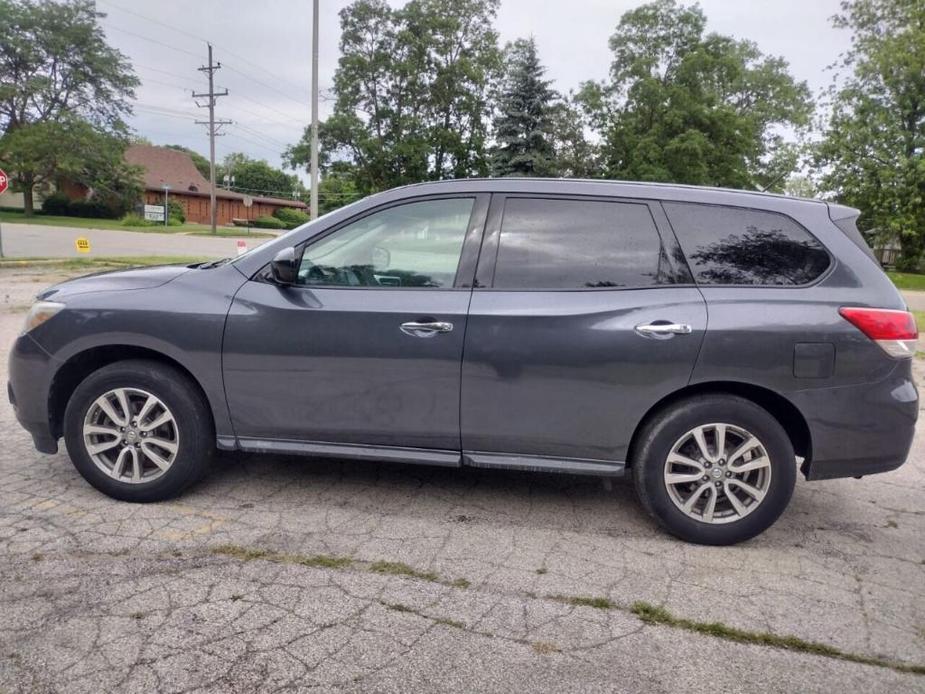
(584, 315)
(367, 347)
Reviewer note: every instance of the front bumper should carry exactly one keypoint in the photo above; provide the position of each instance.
(862, 429)
(30, 370)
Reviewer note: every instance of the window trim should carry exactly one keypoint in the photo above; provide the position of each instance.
(833, 261)
(467, 257)
(488, 260)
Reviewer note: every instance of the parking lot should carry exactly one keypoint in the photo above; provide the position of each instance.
(278, 573)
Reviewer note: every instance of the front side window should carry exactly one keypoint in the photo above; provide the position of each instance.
(577, 244)
(732, 245)
(413, 245)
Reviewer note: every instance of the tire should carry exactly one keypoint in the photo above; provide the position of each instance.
(769, 467)
(170, 456)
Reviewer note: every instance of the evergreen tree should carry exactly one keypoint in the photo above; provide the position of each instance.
(523, 126)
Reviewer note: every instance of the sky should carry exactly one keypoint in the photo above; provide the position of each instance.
(265, 50)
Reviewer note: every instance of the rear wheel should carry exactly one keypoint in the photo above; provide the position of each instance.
(138, 430)
(715, 469)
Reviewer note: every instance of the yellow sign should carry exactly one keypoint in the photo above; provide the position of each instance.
(83, 245)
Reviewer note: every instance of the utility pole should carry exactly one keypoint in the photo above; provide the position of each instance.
(213, 127)
(314, 153)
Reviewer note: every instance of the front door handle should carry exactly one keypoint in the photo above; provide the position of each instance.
(663, 330)
(416, 329)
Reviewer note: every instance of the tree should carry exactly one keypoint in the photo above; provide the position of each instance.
(411, 92)
(75, 150)
(873, 152)
(56, 67)
(685, 106)
(257, 177)
(523, 126)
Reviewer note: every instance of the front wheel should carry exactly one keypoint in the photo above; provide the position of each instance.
(138, 430)
(714, 469)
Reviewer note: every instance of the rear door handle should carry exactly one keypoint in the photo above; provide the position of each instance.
(663, 330)
(416, 329)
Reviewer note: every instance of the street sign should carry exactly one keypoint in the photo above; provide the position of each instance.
(248, 201)
(154, 213)
(4, 181)
(242, 246)
(82, 244)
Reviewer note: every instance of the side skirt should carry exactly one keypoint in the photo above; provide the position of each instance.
(428, 456)
(539, 463)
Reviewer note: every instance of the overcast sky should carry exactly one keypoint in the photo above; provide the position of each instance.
(265, 49)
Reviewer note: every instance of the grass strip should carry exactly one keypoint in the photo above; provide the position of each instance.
(652, 614)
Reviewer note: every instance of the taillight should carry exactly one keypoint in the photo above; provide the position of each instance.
(894, 331)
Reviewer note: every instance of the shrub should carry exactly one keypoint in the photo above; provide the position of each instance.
(267, 222)
(291, 217)
(133, 219)
(56, 204)
(175, 211)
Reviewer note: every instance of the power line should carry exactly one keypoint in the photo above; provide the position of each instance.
(203, 39)
(148, 38)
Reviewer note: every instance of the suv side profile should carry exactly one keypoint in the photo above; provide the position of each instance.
(704, 341)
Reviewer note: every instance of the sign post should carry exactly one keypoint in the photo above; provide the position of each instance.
(248, 201)
(166, 206)
(4, 184)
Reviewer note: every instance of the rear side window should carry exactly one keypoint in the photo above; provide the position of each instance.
(576, 244)
(730, 245)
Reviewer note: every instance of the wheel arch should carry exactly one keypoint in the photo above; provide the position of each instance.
(779, 407)
(83, 363)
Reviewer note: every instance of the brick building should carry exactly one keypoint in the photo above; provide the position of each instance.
(191, 189)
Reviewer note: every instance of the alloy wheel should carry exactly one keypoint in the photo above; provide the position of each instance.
(131, 435)
(717, 473)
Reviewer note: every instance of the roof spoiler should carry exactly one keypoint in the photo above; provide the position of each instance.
(845, 218)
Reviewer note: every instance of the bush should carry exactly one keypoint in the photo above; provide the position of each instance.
(56, 204)
(267, 222)
(175, 211)
(133, 219)
(291, 217)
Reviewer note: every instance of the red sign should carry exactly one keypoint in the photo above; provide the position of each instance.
(4, 181)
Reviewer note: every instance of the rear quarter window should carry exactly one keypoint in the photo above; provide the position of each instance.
(731, 245)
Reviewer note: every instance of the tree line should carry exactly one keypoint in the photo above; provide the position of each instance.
(427, 91)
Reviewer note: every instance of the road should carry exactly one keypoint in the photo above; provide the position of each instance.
(35, 240)
(277, 573)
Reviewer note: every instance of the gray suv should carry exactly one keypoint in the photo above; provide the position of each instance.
(707, 342)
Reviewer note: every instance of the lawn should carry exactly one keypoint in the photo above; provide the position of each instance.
(99, 263)
(907, 280)
(234, 232)
(86, 223)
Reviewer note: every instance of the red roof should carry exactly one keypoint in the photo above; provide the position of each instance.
(164, 166)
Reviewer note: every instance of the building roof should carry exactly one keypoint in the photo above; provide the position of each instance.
(164, 166)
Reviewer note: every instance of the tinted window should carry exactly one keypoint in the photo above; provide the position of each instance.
(571, 244)
(413, 245)
(728, 245)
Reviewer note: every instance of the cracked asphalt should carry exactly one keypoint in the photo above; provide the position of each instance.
(264, 577)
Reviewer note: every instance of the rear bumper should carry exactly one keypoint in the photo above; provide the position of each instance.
(30, 370)
(860, 430)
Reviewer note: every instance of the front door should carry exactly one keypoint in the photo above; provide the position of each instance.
(584, 317)
(367, 347)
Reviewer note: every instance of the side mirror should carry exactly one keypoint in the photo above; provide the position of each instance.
(285, 267)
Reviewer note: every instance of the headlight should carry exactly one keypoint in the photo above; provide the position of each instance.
(40, 312)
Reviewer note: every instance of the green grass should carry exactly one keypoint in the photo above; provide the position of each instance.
(90, 264)
(397, 568)
(237, 233)
(585, 601)
(87, 223)
(320, 561)
(907, 280)
(652, 614)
